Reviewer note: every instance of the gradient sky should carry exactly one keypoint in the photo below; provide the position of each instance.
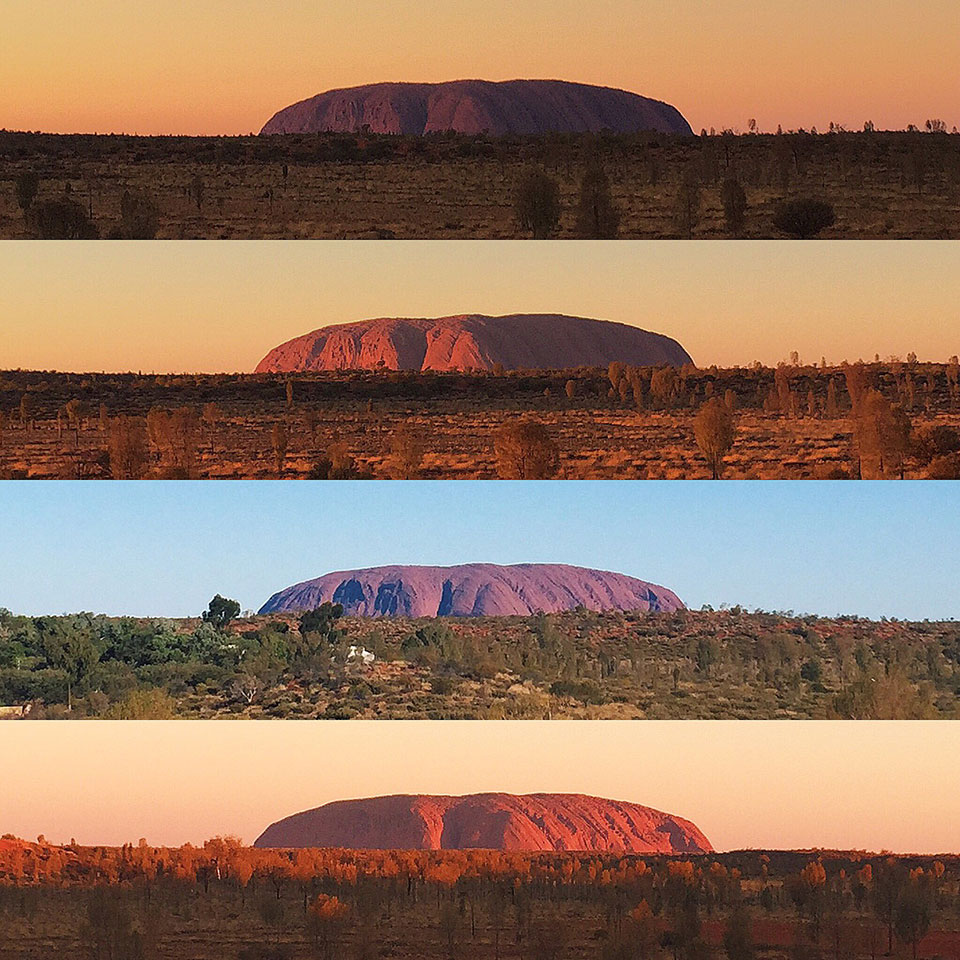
(224, 66)
(201, 306)
(773, 784)
(160, 548)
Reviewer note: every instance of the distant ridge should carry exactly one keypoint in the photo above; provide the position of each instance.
(488, 821)
(478, 106)
(473, 590)
(516, 341)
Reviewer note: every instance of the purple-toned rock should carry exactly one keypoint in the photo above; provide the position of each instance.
(488, 821)
(473, 590)
(478, 106)
(528, 341)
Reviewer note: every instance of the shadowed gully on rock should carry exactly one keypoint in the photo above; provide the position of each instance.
(488, 821)
(473, 590)
(478, 106)
(474, 342)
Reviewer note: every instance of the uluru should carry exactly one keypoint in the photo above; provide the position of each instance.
(488, 821)
(527, 341)
(478, 106)
(473, 590)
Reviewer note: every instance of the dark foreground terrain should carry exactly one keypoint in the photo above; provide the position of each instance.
(889, 419)
(445, 186)
(709, 664)
(223, 901)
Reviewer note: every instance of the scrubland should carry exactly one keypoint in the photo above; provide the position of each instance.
(883, 419)
(707, 664)
(223, 901)
(878, 184)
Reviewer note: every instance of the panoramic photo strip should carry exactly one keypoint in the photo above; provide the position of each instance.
(264, 841)
(481, 601)
(480, 361)
(480, 120)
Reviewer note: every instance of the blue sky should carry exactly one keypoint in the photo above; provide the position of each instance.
(164, 548)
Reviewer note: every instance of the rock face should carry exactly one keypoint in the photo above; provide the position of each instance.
(517, 341)
(473, 590)
(478, 106)
(488, 821)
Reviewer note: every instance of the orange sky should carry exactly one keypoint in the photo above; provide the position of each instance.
(220, 306)
(874, 785)
(224, 66)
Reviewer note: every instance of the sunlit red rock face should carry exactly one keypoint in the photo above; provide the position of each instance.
(489, 821)
(478, 106)
(473, 590)
(518, 341)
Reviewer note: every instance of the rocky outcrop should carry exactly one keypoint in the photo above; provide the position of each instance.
(473, 590)
(517, 341)
(478, 106)
(488, 821)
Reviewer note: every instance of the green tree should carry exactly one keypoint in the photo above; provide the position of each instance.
(220, 612)
(68, 645)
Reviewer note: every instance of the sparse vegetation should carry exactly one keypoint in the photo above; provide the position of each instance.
(443, 186)
(704, 664)
(797, 420)
(223, 900)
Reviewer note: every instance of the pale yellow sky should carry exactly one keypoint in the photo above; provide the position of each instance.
(224, 66)
(220, 306)
(783, 784)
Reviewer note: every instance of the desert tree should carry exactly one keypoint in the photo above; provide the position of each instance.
(687, 202)
(597, 215)
(714, 430)
(127, 448)
(882, 433)
(912, 913)
(734, 201)
(280, 438)
(803, 218)
(60, 219)
(139, 217)
(26, 187)
(196, 190)
(525, 451)
(220, 612)
(887, 885)
(537, 204)
(326, 918)
(738, 935)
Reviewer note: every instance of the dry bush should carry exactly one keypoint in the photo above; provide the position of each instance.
(406, 452)
(714, 430)
(525, 451)
(62, 219)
